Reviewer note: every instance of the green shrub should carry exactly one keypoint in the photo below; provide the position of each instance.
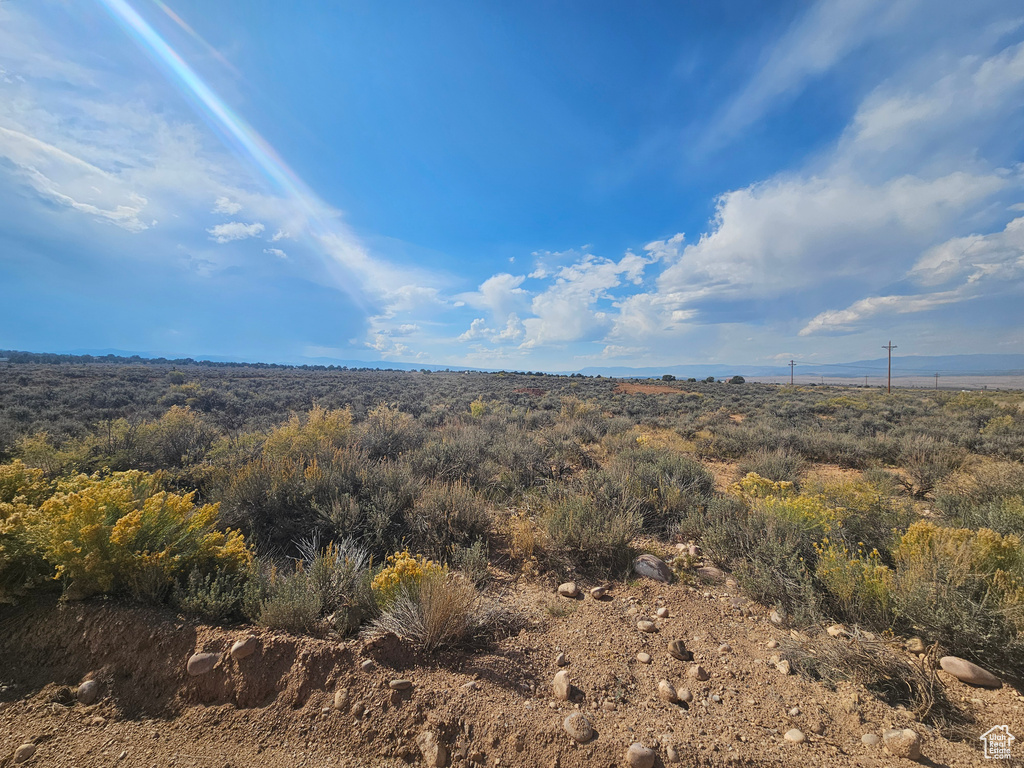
(777, 464)
(446, 516)
(290, 602)
(584, 532)
(215, 597)
(928, 462)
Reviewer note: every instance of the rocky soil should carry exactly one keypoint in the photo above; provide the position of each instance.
(587, 681)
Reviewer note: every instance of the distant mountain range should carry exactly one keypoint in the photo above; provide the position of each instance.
(909, 365)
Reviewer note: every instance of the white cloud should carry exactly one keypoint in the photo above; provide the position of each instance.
(280, 235)
(478, 330)
(235, 230)
(501, 294)
(848, 319)
(227, 206)
(276, 252)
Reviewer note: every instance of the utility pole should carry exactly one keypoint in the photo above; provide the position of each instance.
(865, 380)
(890, 347)
(791, 364)
(936, 381)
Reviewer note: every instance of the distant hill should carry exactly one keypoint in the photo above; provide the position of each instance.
(909, 365)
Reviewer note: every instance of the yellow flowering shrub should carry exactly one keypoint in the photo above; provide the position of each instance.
(121, 533)
(859, 582)
(22, 489)
(403, 572)
(753, 486)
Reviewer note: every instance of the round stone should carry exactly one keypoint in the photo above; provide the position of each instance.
(88, 692)
(784, 667)
(24, 753)
(711, 573)
(400, 685)
(560, 660)
(795, 735)
(367, 665)
(341, 699)
(578, 726)
(916, 645)
(568, 589)
(244, 648)
(684, 695)
(697, 672)
(598, 592)
(903, 742)
(837, 630)
(561, 686)
(967, 672)
(662, 613)
(725, 648)
(646, 626)
(666, 692)
(639, 756)
(870, 739)
(651, 567)
(643, 658)
(201, 663)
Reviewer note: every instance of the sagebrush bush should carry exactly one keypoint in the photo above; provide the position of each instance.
(215, 597)
(588, 532)
(928, 462)
(288, 601)
(777, 464)
(446, 516)
(664, 484)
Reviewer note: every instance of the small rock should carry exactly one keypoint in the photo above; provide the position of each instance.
(666, 692)
(795, 735)
(652, 567)
(711, 573)
(578, 727)
(400, 685)
(870, 739)
(773, 643)
(677, 650)
(561, 686)
(244, 648)
(731, 583)
(794, 712)
(969, 673)
(341, 699)
(598, 592)
(123, 755)
(716, 698)
(662, 613)
(684, 695)
(201, 663)
(358, 710)
(560, 660)
(902, 742)
(837, 630)
(472, 685)
(643, 658)
(784, 667)
(777, 618)
(916, 645)
(639, 756)
(725, 648)
(646, 626)
(367, 665)
(671, 754)
(697, 672)
(435, 754)
(568, 589)
(694, 550)
(24, 753)
(88, 692)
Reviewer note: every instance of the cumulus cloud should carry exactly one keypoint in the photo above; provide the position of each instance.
(226, 205)
(478, 330)
(501, 294)
(235, 230)
(276, 252)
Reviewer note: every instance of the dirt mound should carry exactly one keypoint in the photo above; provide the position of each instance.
(301, 701)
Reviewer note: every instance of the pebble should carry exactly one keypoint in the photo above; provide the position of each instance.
(794, 712)
(773, 643)
(578, 727)
(400, 685)
(795, 735)
(568, 589)
(776, 618)
(358, 710)
(341, 699)
(561, 686)
(969, 673)
(24, 753)
(784, 667)
(88, 692)
(472, 685)
(367, 665)
(598, 592)
(677, 650)
(725, 648)
(643, 658)
(666, 692)
(837, 630)
(903, 743)
(697, 672)
(871, 739)
(639, 756)
(711, 573)
(671, 754)
(716, 698)
(201, 663)
(244, 648)
(435, 754)
(916, 645)
(662, 613)
(652, 567)
(684, 695)
(646, 626)
(560, 660)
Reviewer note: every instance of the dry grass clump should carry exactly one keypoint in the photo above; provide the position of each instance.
(882, 668)
(438, 613)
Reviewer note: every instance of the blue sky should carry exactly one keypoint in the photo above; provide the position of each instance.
(529, 185)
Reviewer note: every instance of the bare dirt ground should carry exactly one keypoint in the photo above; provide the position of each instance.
(491, 706)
